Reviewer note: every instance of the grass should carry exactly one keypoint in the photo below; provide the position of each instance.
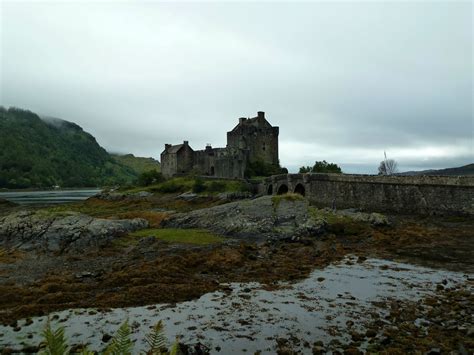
(182, 236)
(184, 184)
(286, 197)
(340, 225)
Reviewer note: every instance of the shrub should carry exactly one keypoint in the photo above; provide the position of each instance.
(198, 185)
(150, 177)
(261, 168)
(169, 186)
(217, 186)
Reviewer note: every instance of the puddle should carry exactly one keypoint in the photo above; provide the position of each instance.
(250, 318)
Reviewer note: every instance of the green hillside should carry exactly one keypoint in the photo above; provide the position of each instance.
(138, 164)
(41, 153)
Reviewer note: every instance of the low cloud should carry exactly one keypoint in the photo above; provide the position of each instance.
(345, 81)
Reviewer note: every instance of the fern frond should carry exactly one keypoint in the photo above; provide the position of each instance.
(86, 351)
(54, 340)
(156, 340)
(121, 344)
(174, 350)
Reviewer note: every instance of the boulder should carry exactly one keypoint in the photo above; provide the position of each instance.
(74, 232)
(260, 217)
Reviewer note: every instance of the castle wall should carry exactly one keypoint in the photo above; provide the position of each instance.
(262, 143)
(204, 161)
(185, 158)
(169, 164)
(400, 194)
(231, 163)
(178, 162)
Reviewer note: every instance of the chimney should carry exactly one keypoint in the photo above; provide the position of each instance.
(242, 120)
(261, 114)
(167, 146)
(186, 142)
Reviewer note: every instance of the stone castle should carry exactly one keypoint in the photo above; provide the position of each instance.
(253, 139)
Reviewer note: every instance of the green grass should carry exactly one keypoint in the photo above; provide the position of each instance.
(340, 225)
(173, 235)
(286, 197)
(184, 184)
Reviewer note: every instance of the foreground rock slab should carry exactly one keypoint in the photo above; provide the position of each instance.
(39, 231)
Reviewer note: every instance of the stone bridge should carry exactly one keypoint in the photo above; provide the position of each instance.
(400, 194)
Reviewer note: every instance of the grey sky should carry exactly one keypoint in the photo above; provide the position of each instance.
(343, 80)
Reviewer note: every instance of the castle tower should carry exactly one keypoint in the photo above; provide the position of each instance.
(257, 136)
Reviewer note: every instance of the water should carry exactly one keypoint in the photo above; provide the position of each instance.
(48, 197)
(249, 318)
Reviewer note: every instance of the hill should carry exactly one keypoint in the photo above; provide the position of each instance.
(41, 153)
(138, 164)
(462, 170)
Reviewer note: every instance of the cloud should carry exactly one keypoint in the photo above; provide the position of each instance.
(343, 80)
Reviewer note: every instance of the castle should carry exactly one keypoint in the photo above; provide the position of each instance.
(253, 139)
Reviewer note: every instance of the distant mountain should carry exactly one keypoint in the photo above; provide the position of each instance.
(40, 153)
(138, 164)
(462, 170)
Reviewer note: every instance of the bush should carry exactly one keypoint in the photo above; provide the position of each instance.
(198, 186)
(150, 177)
(216, 186)
(170, 186)
(260, 168)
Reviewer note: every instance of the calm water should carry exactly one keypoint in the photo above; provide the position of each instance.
(48, 197)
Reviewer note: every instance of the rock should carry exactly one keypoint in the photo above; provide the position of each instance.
(27, 230)
(261, 217)
(187, 196)
(233, 196)
(106, 338)
(110, 196)
(375, 219)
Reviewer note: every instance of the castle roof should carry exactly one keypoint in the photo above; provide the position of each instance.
(174, 148)
(258, 121)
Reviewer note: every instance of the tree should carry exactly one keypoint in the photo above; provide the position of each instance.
(150, 177)
(305, 169)
(388, 167)
(322, 167)
(261, 168)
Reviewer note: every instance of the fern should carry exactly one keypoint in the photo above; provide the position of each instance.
(54, 340)
(174, 350)
(121, 344)
(156, 340)
(86, 351)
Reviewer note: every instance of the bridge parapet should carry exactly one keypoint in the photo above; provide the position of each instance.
(401, 194)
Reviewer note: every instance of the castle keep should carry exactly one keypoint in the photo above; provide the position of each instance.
(253, 139)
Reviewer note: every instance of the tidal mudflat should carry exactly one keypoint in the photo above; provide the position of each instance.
(327, 310)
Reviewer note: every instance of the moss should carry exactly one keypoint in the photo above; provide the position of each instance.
(340, 225)
(186, 236)
(183, 184)
(286, 197)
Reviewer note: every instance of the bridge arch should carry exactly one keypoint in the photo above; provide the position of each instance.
(270, 190)
(299, 189)
(282, 189)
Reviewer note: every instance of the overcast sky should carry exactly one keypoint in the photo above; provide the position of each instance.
(344, 81)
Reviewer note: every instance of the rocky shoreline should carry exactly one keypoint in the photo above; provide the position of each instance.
(89, 255)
